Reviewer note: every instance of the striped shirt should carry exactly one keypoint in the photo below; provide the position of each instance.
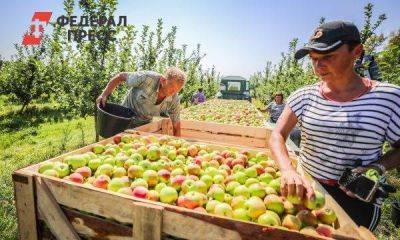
(142, 97)
(336, 135)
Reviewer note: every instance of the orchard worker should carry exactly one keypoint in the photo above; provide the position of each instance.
(150, 94)
(345, 119)
(275, 110)
(199, 97)
(276, 107)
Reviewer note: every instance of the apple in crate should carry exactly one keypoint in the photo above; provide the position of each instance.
(126, 190)
(119, 172)
(75, 161)
(223, 209)
(153, 195)
(140, 192)
(46, 166)
(51, 172)
(62, 169)
(84, 171)
(98, 149)
(151, 177)
(326, 215)
(135, 171)
(164, 175)
(176, 181)
(254, 207)
(191, 200)
(104, 169)
(274, 203)
(93, 164)
(76, 177)
(291, 222)
(269, 218)
(101, 181)
(317, 202)
(168, 195)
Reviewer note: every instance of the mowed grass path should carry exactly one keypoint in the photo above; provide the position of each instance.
(31, 144)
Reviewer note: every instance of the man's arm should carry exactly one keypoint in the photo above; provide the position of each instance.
(134, 79)
(112, 84)
(174, 114)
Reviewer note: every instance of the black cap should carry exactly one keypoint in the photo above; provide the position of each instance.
(329, 37)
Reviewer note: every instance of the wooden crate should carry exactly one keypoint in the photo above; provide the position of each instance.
(52, 208)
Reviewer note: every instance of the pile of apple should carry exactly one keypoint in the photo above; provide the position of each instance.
(243, 185)
(237, 112)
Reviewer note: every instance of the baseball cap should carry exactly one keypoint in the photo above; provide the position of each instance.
(330, 36)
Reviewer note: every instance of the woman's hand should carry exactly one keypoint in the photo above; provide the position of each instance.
(293, 184)
(102, 99)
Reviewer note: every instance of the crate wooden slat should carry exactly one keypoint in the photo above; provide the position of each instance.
(24, 195)
(254, 137)
(50, 209)
(99, 214)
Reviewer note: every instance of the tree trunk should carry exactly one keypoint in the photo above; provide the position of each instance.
(24, 105)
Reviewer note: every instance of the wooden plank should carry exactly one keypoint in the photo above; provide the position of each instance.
(93, 227)
(232, 229)
(89, 199)
(254, 132)
(147, 221)
(366, 234)
(243, 141)
(24, 195)
(52, 213)
(97, 228)
(192, 228)
(166, 127)
(150, 127)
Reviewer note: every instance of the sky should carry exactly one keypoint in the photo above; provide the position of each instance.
(237, 36)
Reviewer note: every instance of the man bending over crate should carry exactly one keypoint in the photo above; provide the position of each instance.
(344, 120)
(151, 94)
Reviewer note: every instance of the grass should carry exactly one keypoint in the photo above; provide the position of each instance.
(41, 133)
(386, 229)
(33, 140)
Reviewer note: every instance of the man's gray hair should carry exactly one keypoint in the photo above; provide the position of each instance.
(175, 73)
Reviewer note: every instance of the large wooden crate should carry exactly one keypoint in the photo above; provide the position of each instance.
(52, 208)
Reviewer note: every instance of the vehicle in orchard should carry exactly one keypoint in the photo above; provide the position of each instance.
(234, 87)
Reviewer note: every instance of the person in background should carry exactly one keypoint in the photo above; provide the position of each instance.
(199, 97)
(150, 94)
(276, 107)
(275, 110)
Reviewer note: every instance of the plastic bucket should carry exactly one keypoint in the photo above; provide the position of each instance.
(113, 118)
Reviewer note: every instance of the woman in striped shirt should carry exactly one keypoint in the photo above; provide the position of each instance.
(344, 120)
